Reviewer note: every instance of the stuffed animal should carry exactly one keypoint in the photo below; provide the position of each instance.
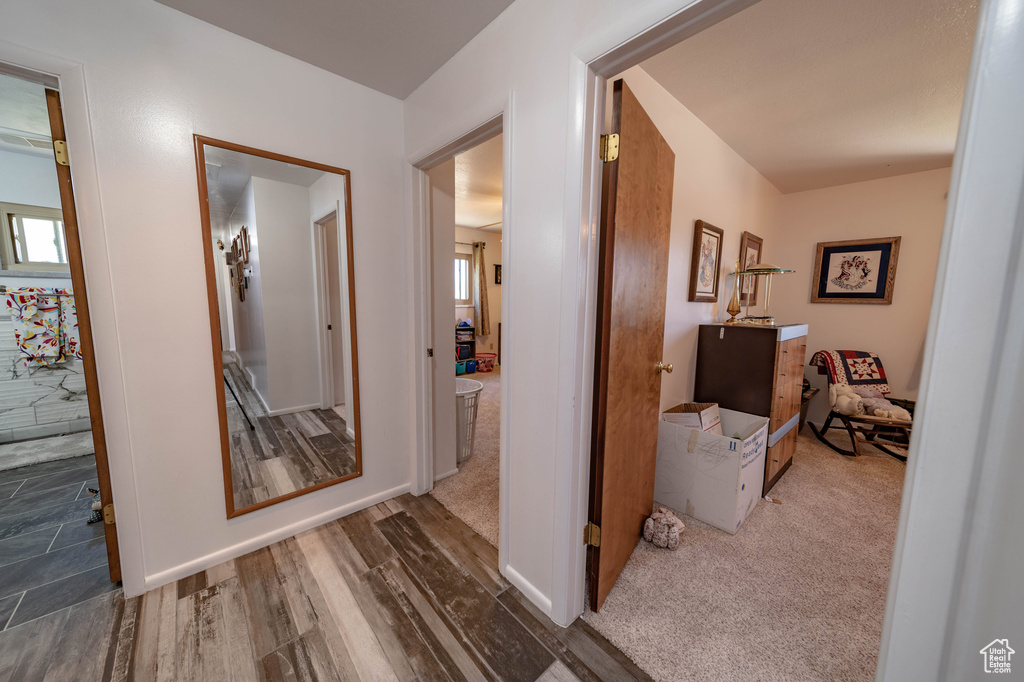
(875, 404)
(663, 529)
(845, 400)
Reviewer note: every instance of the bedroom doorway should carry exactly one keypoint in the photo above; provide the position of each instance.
(57, 521)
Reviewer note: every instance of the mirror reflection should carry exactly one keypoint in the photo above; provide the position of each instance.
(280, 238)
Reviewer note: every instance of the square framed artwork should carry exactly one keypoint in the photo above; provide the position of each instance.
(855, 271)
(750, 255)
(705, 262)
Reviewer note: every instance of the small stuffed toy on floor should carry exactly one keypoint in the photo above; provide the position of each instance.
(663, 529)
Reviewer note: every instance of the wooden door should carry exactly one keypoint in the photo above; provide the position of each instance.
(633, 268)
(74, 244)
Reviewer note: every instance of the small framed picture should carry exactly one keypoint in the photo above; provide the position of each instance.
(234, 249)
(243, 243)
(240, 276)
(750, 255)
(705, 262)
(855, 271)
(497, 274)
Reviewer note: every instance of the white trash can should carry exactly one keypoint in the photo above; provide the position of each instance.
(467, 396)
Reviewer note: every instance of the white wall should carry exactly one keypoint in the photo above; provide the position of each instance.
(909, 206)
(154, 77)
(492, 257)
(711, 183)
(29, 180)
(285, 239)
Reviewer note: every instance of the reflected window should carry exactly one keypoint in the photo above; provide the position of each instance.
(33, 238)
(463, 281)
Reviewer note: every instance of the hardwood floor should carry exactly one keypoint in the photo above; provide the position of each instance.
(399, 591)
(285, 453)
(50, 558)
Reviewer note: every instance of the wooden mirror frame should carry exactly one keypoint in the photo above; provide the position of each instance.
(211, 289)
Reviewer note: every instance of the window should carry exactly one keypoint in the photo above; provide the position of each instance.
(463, 279)
(33, 238)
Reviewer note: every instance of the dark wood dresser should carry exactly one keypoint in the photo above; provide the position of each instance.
(757, 370)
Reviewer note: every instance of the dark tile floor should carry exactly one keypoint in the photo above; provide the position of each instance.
(50, 558)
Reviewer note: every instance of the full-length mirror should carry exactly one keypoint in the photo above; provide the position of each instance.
(281, 289)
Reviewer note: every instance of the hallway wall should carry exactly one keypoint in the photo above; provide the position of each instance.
(155, 76)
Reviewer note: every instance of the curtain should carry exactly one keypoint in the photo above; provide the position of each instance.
(482, 313)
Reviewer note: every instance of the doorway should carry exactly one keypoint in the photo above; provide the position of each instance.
(435, 257)
(467, 231)
(335, 315)
(702, 191)
(57, 521)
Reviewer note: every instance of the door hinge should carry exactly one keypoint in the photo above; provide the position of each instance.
(430, 352)
(60, 152)
(609, 147)
(108, 514)
(592, 535)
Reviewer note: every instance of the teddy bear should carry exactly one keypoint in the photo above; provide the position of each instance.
(876, 405)
(663, 529)
(845, 400)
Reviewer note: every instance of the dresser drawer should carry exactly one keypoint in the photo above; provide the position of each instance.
(779, 455)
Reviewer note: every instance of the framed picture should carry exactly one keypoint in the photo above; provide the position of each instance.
(750, 255)
(856, 271)
(497, 274)
(243, 244)
(705, 262)
(234, 249)
(240, 276)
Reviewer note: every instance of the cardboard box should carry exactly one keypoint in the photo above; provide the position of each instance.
(716, 479)
(703, 416)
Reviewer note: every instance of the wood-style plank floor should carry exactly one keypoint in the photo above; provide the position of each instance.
(285, 453)
(50, 558)
(399, 591)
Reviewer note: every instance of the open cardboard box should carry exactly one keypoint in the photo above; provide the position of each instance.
(716, 479)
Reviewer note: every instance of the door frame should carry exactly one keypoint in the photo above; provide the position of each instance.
(935, 498)
(323, 312)
(482, 124)
(106, 388)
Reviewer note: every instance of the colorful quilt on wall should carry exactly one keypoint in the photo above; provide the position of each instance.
(852, 367)
(45, 325)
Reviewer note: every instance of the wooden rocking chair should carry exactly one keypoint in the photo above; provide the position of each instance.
(862, 369)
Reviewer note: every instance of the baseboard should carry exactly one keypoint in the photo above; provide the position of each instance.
(204, 562)
(446, 475)
(290, 410)
(529, 591)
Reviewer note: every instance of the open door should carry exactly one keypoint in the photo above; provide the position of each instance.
(633, 269)
(74, 245)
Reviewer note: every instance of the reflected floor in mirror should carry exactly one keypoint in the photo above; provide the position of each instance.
(285, 453)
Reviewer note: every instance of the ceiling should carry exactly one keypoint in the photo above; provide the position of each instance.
(389, 45)
(817, 93)
(478, 186)
(228, 172)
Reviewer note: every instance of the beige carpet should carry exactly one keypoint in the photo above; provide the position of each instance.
(797, 594)
(472, 494)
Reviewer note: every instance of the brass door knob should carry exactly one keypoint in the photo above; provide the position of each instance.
(662, 367)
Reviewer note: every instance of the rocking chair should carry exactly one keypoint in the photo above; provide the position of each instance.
(860, 369)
